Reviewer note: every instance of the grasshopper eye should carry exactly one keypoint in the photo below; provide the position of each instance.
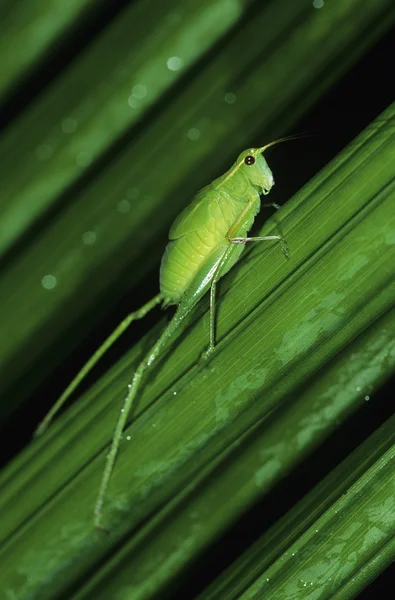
(249, 160)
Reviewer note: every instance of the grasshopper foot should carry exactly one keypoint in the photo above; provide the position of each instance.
(204, 357)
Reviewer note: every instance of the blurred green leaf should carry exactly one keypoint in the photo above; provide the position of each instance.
(29, 30)
(94, 102)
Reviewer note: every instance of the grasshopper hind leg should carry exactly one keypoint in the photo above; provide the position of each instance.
(211, 346)
(138, 314)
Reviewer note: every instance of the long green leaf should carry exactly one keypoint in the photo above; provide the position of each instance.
(348, 380)
(233, 481)
(279, 322)
(336, 540)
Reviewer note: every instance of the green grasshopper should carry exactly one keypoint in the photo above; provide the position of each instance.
(205, 241)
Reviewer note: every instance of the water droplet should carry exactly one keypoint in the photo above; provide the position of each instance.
(174, 393)
(134, 102)
(139, 91)
(358, 389)
(69, 125)
(230, 98)
(318, 3)
(83, 159)
(43, 152)
(122, 410)
(129, 385)
(89, 238)
(367, 398)
(193, 134)
(49, 282)
(128, 437)
(174, 63)
(123, 206)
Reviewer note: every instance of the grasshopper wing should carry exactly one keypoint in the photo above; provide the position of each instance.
(193, 217)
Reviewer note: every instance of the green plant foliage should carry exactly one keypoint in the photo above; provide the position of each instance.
(30, 29)
(191, 418)
(104, 92)
(104, 216)
(331, 544)
(94, 168)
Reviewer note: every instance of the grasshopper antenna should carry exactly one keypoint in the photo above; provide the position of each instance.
(287, 138)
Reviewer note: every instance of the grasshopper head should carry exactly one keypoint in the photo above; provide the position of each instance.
(256, 169)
